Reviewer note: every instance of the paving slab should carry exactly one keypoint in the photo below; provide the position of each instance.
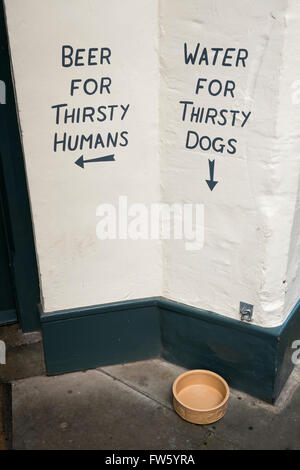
(153, 378)
(91, 410)
(13, 336)
(23, 361)
(24, 354)
(129, 407)
(5, 417)
(249, 422)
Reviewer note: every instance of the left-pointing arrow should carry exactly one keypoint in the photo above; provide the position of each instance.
(108, 158)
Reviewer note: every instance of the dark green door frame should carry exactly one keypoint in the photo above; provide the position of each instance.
(8, 313)
(18, 222)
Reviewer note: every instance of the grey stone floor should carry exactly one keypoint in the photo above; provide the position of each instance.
(129, 407)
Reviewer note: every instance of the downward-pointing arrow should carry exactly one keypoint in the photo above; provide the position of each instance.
(211, 183)
(108, 158)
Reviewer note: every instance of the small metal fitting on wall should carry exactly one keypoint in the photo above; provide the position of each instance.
(2, 92)
(246, 311)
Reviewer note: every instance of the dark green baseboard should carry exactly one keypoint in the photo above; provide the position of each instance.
(8, 316)
(251, 358)
(86, 338)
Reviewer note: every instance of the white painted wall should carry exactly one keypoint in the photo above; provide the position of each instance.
(251, 249)
(250, 214)
(288, 128)
(77, 269)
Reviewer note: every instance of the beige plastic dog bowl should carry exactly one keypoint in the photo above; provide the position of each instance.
(200, 396)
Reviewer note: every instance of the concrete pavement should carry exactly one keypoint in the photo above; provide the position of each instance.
(129, 407)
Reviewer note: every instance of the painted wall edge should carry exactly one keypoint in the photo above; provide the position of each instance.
(251, 358)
